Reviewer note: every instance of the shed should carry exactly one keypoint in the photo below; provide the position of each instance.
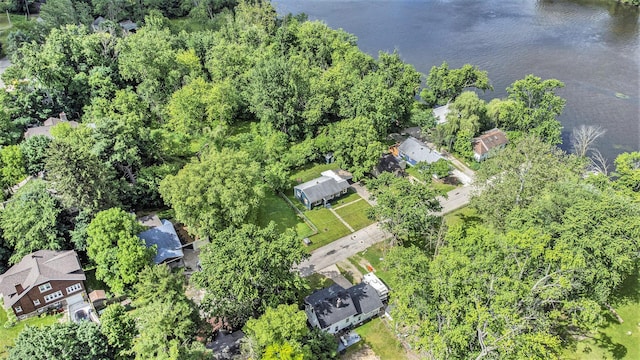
(440, 113)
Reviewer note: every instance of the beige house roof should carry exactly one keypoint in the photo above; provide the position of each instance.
(38, 268)
(45, 130)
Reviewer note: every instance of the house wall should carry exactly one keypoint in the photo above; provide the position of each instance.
(340, 325)
(26, 302)
(311, 316)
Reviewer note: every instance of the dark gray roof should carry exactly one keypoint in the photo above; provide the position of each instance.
(128, 25)
(418, 151)
(325, 305)
(321, 187)
(365, 298)
(166, 239)
(38, 268)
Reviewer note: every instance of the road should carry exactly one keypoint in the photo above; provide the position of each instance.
(358, 241)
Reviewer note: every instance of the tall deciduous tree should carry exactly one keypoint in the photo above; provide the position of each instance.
(119, 328)
(628, 172)
(223, 189)
(405, 209)
(165, 317)
(516, 175)
(34, 150)
(12, 166)
(444, 84)
(30, 221)
(246, 270)
(113, 245)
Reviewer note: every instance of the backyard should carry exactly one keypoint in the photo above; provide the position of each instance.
(380, 339)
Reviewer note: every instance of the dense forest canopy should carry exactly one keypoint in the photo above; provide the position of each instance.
(208, 118)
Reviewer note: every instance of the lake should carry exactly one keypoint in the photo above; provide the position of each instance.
(591, 45)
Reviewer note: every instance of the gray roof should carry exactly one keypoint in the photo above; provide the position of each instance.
(418, 151)
(441, 113)
(325, 301)
(321, 187)
(166, 239)
(38, 268)
(45, 130)
(128, 25)
(365, 298)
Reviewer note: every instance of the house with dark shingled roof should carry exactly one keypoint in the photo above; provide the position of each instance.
(43, 280)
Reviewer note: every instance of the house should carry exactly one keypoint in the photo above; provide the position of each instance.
(96, 25)
(332, 184)
(128, 26)
(45, 130)
(335, 308)
(388, 163)
(414, 151)
(43, 280)
(440, 113)
(167, 242)
(493, 139)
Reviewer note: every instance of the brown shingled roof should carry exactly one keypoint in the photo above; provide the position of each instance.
(489, 140)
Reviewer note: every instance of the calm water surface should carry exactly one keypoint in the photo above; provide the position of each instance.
(592, 46)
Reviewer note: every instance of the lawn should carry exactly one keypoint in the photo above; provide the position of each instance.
(614, 340)
(463, 215)
(7, 336)
(5, 28)
(311, 171)
(355, 214)
(381, 340)
(329, 227)
(437, 185)
(274, 208)
(373, 256)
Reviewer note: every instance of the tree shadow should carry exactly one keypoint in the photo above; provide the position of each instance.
(618, 351)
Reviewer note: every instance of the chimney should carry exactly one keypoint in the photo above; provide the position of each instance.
(338, 302)
(19, 289)
(63, 116)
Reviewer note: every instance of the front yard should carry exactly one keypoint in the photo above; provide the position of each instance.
(7, 336)
(380, 339)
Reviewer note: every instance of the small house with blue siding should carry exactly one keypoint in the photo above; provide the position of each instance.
(322, 190)
(414, 151)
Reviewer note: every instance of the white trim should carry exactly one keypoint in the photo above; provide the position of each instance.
(46, 287)
(18, 309)
(36, 302)
(74, 288)
(56, 295)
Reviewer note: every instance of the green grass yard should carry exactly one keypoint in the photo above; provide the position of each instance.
(329, 227)
(373, 256)
(310, 172)
(381, 340)
(463, 215)
(614, 340)
(274, 208)
(355, 214)
(7, 336)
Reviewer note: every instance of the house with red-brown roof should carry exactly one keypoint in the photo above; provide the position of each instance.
(493, 139)
(43, 280)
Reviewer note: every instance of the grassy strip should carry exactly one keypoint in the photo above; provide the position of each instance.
(274, 208)
(329, 227)
(465, 215)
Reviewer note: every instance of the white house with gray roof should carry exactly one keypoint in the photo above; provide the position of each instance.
(335, 308)
(167, 242)
(319, 191)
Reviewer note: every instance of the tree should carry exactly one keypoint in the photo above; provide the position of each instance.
(119, 329)
(34, 151)
(440, 168)
(57, 13)
(444, 84)
(12, 166)
(223, 189)
(583, 137)
(166, 318)
(355, 145)
(113, 245)
(518, 174)
(31, 221)
(80, 178)
(277, 326)
(235, 290)
(64, 341)
(531, 107)
(405, 209)
(628, 172)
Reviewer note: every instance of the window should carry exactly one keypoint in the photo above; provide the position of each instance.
(18, 309)
(51, 297)
(36, 302)
(74, 288)
(44, 287)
